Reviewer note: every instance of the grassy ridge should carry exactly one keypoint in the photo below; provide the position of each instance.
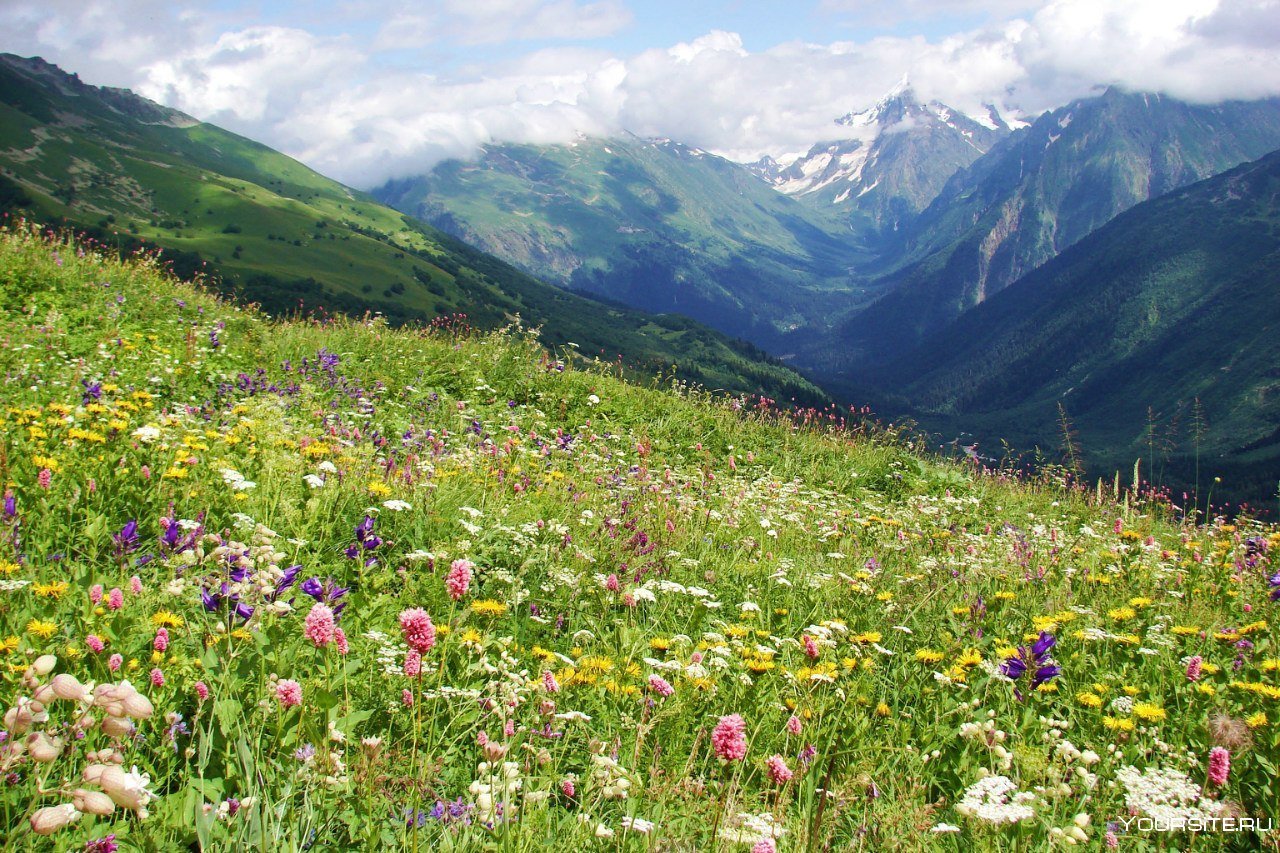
(278, 233)
(658, 620)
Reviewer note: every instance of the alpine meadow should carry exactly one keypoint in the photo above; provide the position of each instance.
(625, 425)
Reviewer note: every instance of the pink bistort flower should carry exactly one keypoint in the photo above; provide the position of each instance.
(794, 726)
(115, 599)
(1193, 668)
(661, 686)
(319, 627)
(412, 663)
(202, 691)
(458, 581)
(779, 772)
(161, 642)
(1219, 765)
(95, 593)
(340, 639)
(115, 662)
(94, 642)
(289, 692)
(419, 633)
(157, 677)
(135, 585)
(729, 738)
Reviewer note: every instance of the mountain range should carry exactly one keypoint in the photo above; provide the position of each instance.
(649, 222)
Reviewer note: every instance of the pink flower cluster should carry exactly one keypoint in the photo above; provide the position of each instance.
(319, 627)
(289, 692)
(779, 772)
(1219, 765)
(458, 581)
(729, 738)
(1193, 668)
(661, 686)
(419, 633)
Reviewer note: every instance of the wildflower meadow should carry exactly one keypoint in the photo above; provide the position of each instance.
(324, 584)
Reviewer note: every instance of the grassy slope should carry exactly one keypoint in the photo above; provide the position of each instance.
(279, 233)
(654, 224)
(751, 535)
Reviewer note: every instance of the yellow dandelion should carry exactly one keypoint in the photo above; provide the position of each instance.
(1256, 721)
(1122, 613)
(595, 663)
(929, 656)
(43, 630)
(488, 607)
(1150, 712)
(379, 489)
(883, 710)
(1089, 700)
(1184, 630)
(54, 590)
(9, 645)
(167, 619)
(1118, 724)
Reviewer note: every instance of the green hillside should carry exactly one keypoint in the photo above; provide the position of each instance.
(1168, 315)
(650, 223)
(323, 586)
(275, 232)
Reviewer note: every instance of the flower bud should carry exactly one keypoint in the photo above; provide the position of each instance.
(50, 819)
(126, 789)
(93, 773)
(92, 802)
(66, 686)
(43, 748)
(18, 720)
(117, 726)
(138, 706)
(44, 665)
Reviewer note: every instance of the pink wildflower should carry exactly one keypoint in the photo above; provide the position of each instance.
(406, 697)
(146, 472)
(45, 478)
(611, 583)
(115, 662)
(661, 686)
(161, 642)
(94, 642)
(319, 627)
(1111, 840)
(811, 647)
(1219, 765)
(289, 692)
(696, 657)
(764, 845)
(135, 585)
(729, 738)
(157, 678)
(419, 633)
(413, 664)
(549, 682)
(779, 772)
(95, 593)
(628, 600)
(1193, 668)
(458, 581)
(340, 638)
(202, 691)
(509, 728)
(794, 726)
(115, 598)
(567, 788)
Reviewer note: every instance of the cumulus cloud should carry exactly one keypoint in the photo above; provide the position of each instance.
(347, 107)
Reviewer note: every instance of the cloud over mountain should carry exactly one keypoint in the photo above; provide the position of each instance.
(365, 91)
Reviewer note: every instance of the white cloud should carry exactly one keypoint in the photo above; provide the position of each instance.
(344, 107)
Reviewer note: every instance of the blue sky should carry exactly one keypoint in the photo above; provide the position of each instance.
(364, 90)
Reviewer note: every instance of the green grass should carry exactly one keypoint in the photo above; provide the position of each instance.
(762, 565)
